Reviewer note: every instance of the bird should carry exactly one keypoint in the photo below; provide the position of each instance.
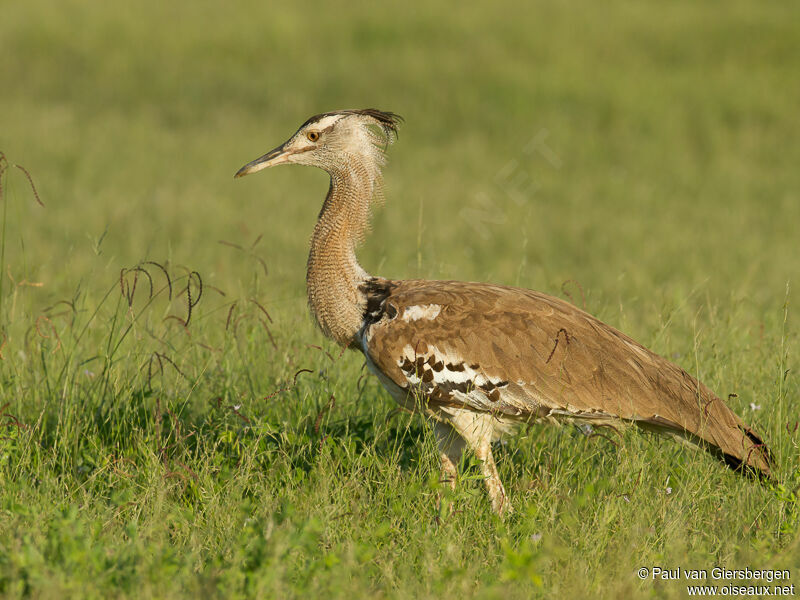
(480, 359)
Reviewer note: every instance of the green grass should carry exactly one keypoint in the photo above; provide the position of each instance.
(240, 455)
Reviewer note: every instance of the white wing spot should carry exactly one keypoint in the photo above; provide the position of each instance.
(422, 311)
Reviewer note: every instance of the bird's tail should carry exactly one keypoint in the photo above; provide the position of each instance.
(719, 431)
(734, 442)
(754, 457)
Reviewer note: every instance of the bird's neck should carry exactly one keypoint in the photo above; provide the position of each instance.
(334, 275)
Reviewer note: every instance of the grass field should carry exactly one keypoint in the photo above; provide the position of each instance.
(171, 423)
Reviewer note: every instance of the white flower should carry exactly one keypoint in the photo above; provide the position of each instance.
(754, 406)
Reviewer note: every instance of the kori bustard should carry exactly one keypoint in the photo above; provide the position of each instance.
(481, 357)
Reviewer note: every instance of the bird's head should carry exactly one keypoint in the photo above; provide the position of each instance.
(334, 141)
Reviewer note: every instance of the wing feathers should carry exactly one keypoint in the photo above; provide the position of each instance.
(528, 355)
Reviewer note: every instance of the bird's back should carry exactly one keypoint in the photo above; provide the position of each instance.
(524, 355)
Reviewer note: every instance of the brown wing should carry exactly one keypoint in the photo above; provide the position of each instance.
(525, 354)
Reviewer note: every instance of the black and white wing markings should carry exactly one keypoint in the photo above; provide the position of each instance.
(450, 380)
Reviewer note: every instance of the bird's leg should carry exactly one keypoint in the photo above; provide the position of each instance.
(476, 429)
(497, 492)
(451, 447)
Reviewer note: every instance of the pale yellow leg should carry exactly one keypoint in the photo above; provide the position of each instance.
(497, 492)
(451, 447)
(476, 430)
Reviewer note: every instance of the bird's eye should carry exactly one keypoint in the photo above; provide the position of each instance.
(312, 136)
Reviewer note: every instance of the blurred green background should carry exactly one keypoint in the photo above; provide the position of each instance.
(674, 126)
(639, 159)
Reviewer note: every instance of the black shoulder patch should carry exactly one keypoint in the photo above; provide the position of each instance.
(377, 290)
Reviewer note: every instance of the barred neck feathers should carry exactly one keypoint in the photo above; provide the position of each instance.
(334, 275)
